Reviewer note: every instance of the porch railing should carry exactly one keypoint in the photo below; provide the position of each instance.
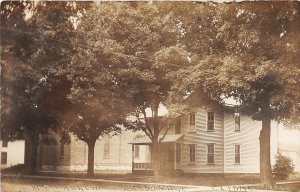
(142, 166)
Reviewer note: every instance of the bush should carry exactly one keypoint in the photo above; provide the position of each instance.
(283, 167)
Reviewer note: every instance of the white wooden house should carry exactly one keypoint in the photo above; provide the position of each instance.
(208, 141)
(11, 153)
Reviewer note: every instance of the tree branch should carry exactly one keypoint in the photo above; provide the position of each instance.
(150, 134)
(165, 133)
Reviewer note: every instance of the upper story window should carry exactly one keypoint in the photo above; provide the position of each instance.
(4, 143)
(136, 151)
(210, 153)
(210, 121)
(178, 126)
(192, 153)
(237, 121)
(192, 122)
(237, 154)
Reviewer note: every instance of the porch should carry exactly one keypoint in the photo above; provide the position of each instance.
(170, 154)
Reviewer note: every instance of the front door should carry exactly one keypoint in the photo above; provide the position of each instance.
(177, 156)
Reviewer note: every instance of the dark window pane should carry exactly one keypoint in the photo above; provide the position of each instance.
(210, 153)
(237, 121)
(192, 153)
(62, 149)
(210, 121)
(4, 143)
(3, 158)
(237, 153)
(192, 119)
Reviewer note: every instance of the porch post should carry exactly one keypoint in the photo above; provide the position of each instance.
(175, 160)
(132, 158)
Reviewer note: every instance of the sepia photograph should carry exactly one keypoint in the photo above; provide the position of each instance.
(134, 96)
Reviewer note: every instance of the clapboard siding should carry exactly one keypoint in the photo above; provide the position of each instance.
(247, 138)
(120, 152)
(201, 138)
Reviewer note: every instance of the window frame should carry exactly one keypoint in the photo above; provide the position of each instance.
(4, 162)
(4, 143)
(208, 154)
(106, 148)
(192, 124)
(62, 149)
(208, 121)
(235, 121)
(192, 153)
(235, 154)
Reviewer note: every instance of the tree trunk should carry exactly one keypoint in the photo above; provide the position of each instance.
(91, 163)
(155, 142)
(34, 147)
(155, 159)
(265, 161)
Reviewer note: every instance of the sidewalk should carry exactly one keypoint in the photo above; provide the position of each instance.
(150, 186)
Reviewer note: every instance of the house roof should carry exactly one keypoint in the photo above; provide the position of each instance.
(146, 140)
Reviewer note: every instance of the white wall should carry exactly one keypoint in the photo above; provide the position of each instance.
(248, 139)
(15, 153)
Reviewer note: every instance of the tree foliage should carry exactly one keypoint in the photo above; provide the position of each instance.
(33, 97)
(248, 58)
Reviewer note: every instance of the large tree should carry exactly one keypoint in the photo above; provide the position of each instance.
(90, 120)
(100, 105)
(134, 45)
(34, 40)
(252, 56)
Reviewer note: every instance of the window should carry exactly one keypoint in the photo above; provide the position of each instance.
(3, 158)
(192, 153)
(237, 154)
(210, 154)
(4, 143)
(210, 121)
(62, 149)
(106, 148)
(178, 152)
(178, 126)
(237, 121)
(136, 151)
(192, 122)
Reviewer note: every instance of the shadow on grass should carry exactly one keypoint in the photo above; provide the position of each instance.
(187, 179)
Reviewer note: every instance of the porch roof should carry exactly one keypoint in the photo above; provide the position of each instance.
(146, 140)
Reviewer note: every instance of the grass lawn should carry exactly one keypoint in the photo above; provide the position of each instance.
(200, 180)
